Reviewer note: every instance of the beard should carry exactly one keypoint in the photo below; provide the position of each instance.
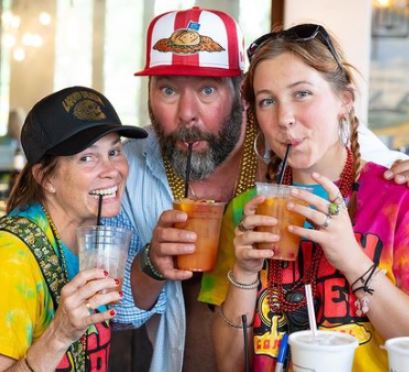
(203, 163)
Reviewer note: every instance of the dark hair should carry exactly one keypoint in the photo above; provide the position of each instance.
(317, 55)
(26, 189)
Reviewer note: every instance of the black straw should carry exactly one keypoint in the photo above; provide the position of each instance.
(280, 177)
(246, 343)
(99, 210)
(187, 174)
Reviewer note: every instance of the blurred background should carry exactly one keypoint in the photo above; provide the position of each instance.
(47, 45)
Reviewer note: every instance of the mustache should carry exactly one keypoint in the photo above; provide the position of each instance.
(192, 134)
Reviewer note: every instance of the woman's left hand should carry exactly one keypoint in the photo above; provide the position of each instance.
(333, 228)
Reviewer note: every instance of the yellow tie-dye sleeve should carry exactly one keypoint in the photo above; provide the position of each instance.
(26, 307)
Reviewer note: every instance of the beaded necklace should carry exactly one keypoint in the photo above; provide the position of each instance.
(277, 299)
(78, 348)
(248, 167)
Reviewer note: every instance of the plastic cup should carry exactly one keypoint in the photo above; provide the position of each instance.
(205, 219)
(398, 354)
(328, 351)
(275, 205)
(104, 247)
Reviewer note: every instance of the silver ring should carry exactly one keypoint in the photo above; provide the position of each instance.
(338, 200)
(89, 308)
(325, 224)
(241, 227)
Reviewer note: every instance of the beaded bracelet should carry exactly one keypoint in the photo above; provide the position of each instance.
(362, 304)
(237, 284)
(229, 322)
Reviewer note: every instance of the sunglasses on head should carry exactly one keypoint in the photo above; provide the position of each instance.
(303, 32)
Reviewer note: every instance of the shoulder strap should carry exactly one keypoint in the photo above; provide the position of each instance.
(31, 234)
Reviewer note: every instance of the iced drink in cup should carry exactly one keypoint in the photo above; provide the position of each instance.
(204, 217)
(104, 247)
(327, 351)
(275, 205)
(398, 354)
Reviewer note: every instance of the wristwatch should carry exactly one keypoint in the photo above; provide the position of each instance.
(147, 266)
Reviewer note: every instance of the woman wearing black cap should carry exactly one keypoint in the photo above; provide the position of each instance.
(52, 317)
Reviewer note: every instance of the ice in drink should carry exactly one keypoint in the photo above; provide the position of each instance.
(275, 205)
(204, 218)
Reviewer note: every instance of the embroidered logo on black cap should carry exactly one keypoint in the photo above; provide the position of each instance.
(84, 106)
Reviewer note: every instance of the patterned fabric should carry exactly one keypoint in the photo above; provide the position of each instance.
(381, 228)
(22, 320)
(147, 195)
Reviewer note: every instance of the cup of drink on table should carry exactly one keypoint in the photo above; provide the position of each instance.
(326, 351)
(204, 218)
(398, 354)
(275, 205)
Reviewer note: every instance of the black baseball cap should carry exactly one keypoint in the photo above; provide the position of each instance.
(68, 121)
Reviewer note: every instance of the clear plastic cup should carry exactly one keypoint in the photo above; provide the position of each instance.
(205, 219)
(104, 247)
(275, 205)
(398, 354)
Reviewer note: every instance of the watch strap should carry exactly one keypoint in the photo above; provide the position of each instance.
(147, 266)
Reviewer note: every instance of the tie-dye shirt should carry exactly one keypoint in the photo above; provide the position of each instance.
(26, 306)
(382, 229)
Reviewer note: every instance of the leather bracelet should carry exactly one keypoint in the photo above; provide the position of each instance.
(147, 266)
(237, 284)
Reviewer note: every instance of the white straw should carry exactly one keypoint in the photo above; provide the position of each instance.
(311, 311)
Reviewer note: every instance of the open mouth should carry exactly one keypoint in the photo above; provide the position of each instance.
(107, 193)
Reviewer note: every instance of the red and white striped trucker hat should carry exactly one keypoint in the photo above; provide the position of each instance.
(194, 42)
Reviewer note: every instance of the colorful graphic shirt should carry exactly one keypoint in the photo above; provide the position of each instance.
(382, 229)
(26, 307)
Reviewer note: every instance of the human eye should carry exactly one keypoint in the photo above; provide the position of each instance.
(301, 94)
(115, 152)
(167, 91)
(86, 158)
(265, 102)
(208, 90)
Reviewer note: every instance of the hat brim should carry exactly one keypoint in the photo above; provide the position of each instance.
(87, 137)
(175, 70)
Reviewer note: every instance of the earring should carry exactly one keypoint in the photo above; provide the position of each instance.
(266, 157)
(344, 131)
(51, 189)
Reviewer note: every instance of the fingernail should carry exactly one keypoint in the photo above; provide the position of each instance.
(106, 273)
(189, 249)
(290, 205)
(121, 294)
(400, 179)
(117, 281)
(388, 174)
(112, 312)
(191, 236)
(294, 192)
(290, 228)
(316, 175)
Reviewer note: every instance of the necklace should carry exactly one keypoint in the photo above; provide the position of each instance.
(248, 167)
(277, 299)
(78, 348)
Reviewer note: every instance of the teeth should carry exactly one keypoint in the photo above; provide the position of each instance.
(106, 193)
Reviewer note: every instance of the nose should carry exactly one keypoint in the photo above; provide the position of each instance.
(108, 168)
(285, 115)
(187, 108)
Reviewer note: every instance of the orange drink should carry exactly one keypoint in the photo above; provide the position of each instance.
(275, 205)
(204, 218)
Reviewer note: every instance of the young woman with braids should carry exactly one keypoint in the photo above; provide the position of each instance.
(300, 89)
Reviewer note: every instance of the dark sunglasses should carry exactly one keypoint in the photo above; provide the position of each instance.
(304, 32)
